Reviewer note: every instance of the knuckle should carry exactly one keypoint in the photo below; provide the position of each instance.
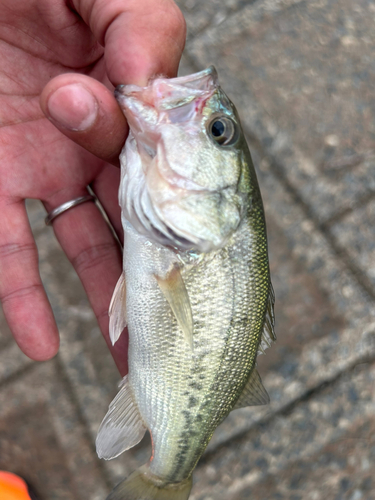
(21, 293)
(15, 249)
(93, 256)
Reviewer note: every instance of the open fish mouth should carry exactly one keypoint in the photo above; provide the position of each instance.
(165, 94)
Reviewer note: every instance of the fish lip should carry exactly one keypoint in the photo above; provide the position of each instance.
(123, 90)
(195, 77)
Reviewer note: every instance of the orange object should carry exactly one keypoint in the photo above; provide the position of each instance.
(13, 487)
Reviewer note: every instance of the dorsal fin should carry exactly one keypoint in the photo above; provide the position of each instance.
(122, 427)
(117, 310)
(268, 334)
(253, 394)
(174, 290)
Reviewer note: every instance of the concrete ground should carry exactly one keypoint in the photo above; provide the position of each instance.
(301, 74)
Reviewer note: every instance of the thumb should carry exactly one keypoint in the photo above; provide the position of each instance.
(84, 110)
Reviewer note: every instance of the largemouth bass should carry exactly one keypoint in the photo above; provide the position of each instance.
(198, 299)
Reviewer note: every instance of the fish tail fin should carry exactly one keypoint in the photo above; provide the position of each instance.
(141, 485)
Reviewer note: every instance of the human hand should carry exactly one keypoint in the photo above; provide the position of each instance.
(85, 46)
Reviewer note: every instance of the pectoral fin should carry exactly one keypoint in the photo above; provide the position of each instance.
(117, 310)
(122, 427)
(253, 394)
(174, 290)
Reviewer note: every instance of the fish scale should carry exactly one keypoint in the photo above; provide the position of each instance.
(228, 367)
(196, 287)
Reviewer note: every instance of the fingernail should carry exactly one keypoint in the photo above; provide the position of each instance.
(73, 107)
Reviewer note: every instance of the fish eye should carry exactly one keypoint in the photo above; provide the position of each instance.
(223, 130)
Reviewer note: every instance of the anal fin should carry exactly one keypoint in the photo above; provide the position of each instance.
(254, 393)
(117, 310)
(174, 290)
(122, 427)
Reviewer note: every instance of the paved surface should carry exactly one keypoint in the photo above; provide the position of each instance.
(301, 74)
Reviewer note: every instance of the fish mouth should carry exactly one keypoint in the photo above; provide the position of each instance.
(165, 99)
(203, 81)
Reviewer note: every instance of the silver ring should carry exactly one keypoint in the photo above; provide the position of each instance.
(66, 206)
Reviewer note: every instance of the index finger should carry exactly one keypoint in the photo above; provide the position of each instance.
(142, 38)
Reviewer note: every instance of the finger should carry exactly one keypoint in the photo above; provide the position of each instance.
(24, 300)
(86, 112)
(106, 186)
(96, 257)
(142, 38)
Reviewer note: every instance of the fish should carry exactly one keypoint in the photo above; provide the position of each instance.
(195, 292)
